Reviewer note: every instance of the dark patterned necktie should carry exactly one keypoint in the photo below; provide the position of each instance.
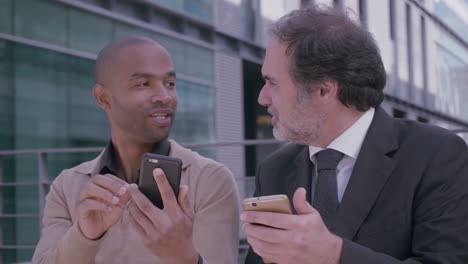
(326, 193)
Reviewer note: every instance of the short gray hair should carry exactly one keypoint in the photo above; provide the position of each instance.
(325, 44)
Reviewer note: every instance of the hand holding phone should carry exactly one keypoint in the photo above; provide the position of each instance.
(166, 233)
(171, 166)
(272, 203)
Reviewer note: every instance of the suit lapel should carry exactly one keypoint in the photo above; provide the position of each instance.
(370, 173)
(300, 175)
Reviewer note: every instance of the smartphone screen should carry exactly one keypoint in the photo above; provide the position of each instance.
(171, 166)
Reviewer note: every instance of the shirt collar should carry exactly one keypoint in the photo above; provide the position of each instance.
(350, 141)
(109, 163)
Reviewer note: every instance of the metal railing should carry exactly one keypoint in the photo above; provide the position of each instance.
(43, 180)
(43, 175)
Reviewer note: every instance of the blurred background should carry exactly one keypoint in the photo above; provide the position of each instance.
(49, 121)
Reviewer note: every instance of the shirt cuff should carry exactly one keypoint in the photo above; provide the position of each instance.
(77, 246)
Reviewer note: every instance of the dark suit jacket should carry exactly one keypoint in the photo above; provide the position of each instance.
(406, 200)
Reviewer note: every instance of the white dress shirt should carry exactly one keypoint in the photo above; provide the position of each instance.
(349, 143)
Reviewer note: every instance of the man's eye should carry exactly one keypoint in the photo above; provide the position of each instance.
(142, 84)
(170, 84)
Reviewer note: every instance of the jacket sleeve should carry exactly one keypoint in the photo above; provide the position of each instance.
(61, 240)
(440, 228)
(216, 222)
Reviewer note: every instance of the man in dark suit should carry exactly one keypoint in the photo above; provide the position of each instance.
(365, 187)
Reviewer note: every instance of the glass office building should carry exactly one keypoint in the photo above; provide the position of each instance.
(47, 53)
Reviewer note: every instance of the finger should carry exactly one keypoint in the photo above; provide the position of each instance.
(266, 250)
(256, 246)
(167, 194)
(111, 183)
(184, 202)
(140, 231)
(154, 214)
(96, 192)
(123, 199)
(93, 205)
(266, 233)
(300, 202)
(276, 220)
(140, 218)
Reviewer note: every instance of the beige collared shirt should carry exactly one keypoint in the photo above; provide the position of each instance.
(212, 193)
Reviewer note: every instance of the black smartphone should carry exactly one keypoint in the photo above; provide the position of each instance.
(171, 166)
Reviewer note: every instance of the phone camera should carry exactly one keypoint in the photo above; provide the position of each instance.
(153, 161)
(254, 204)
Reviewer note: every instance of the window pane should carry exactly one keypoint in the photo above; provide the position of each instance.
(27, 199)
(60, 161)
(89, 32)
(25, 167)
(454, 14)
(195, 120)
(5, 16)
(248, 17)
(131, 9)
(16, 255)
(41, 20)
(6, 95)
(54, 108)
(175, 4)
(124, 30)
(200, 8)
(448, 93)
(51, 106)
(199, 62)
(26, 230)
(40, 109)
(83, 111)
(195, 115)
(189, 59)
(8, 194)
(8, 167)
(176, 49)
(21, 199)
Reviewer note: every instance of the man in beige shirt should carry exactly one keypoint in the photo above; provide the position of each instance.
(95, 213)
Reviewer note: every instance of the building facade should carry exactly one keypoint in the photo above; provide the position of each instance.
(47, 53)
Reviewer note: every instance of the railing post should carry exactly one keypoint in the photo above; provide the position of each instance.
(42, 180)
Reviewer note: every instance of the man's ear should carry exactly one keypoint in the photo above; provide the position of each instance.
(329, 89)
(101, 96)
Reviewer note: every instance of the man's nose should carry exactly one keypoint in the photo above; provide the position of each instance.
(161, 94)
(264, 97)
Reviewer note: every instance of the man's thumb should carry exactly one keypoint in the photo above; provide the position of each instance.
(300, 202)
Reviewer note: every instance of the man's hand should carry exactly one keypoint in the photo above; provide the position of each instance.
(101, 203)
(166, 233)
(301, 238)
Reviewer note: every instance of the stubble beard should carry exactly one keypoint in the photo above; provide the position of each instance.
(302, 127)
(304, 133)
